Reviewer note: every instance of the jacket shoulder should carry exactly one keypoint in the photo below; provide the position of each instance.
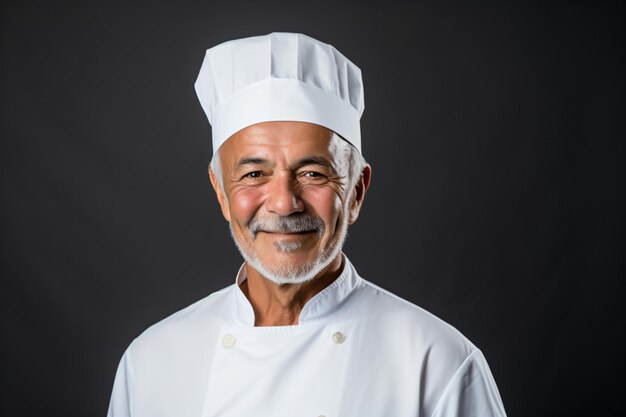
(391, 311)
(184, 325)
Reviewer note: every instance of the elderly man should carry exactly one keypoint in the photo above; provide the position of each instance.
(299, 333)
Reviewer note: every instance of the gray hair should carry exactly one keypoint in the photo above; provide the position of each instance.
(342, 148)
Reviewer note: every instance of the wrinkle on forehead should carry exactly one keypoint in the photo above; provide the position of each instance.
(285, 143)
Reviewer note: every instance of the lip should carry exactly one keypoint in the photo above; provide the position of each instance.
(285, 234)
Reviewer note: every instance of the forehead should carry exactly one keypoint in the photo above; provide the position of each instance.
(284, 139)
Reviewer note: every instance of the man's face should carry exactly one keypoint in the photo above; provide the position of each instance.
(286, 197)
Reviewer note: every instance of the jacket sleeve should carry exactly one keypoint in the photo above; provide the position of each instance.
(471, 392)
(121, 397)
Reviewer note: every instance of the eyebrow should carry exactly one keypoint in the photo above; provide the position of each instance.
(314, 160)
(252, 161)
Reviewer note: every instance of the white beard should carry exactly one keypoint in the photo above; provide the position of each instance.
(294, 274)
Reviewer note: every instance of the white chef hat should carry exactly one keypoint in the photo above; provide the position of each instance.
(280, 76)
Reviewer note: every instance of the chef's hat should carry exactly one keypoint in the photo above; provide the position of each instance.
(280, 76)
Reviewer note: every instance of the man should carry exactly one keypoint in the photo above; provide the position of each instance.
(300, 333)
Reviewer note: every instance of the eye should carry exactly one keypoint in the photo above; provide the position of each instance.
(313, 177)
(253, 174)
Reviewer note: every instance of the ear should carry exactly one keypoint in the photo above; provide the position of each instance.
(220, 195)
(359, 193)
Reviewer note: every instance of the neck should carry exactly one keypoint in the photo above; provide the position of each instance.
(280, 305)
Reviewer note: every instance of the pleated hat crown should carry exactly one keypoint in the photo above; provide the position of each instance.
(280, 77)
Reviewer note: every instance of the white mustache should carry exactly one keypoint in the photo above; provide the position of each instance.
(296, 223)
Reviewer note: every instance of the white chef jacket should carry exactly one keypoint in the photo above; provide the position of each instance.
(358, 351)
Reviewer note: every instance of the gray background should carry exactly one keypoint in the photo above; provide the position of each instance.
(496, 136)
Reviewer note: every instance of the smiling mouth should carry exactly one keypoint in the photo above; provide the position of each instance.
(284, 233)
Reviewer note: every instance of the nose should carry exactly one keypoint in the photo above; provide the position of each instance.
(283, 196)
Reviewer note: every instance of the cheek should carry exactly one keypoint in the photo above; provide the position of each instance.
(244, 203)
(325, 202)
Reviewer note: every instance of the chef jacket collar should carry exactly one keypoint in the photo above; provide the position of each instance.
(322, 305)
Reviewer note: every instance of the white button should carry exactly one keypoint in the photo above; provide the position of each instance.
(229, 341)
(338, 337)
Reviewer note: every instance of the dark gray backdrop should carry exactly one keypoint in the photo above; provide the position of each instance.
(496, 136)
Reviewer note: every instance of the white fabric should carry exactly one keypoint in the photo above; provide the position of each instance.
(280, 76)
(358, 351)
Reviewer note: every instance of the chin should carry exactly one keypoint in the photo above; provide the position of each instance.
(290, 268)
